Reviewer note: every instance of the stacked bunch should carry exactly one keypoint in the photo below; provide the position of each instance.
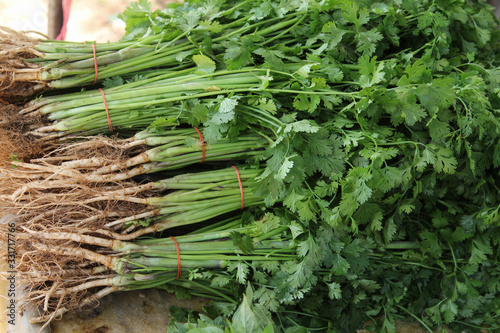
(359, 140)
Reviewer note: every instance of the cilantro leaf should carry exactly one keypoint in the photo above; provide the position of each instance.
(204, 63)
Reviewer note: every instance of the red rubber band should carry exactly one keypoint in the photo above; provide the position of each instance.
(107, 111)
(202, 144)
(95, 63)
(241, 186)
(178, 258)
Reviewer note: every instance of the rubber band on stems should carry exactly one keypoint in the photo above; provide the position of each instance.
(241, 186)
(179, 267)
(107, 111)
(95, 63)
(202, 144)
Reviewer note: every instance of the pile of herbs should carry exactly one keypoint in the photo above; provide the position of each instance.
(383, 159)
(400, 147)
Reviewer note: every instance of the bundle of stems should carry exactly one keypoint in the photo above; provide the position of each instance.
(48, 64)
(110, 159)
(127, 210)
(212, 262)
(107, 265)
(134, 105)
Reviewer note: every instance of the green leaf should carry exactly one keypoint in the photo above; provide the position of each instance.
(390, 229)
(212, 26)
(244, 319)
(302, 276)
(305, 210)
(269, 328)
(480, 248)
(412, 113)
(296, 229)
(271, 266)
(334, 291)
(267, 105)
(305, 70)
(241, 269)
(340, 265)
(352, 13)
(262, 11)
(440, 94)
(189, 20)
(371, 74)
(306, 102)
(310, 250)
(449, 310)
(435, 313)
(220, 281)
(284, 169)
(113, 81)
(367, 41)
(445, 161)
(237, 56)
(243, 242)
(430, 243)
(292, 199)
(362, 192)
(272, 58)
(438, 130)
(204, 63)
(228, 104)
(324, 189)
(306, 126)
(267, 298)
(136, 18)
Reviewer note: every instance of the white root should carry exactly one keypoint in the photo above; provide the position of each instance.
(133, 161)
(49, 294)
(79, 238)
(104, 282)
(53, 315)
(112, 263)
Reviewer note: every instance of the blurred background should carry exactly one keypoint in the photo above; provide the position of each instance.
(89, 20)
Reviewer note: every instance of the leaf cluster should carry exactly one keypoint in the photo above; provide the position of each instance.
(382, 119)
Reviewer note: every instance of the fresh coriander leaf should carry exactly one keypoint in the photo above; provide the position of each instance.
(285, 168)
(204, 63)
(241, 269)
(367, 41)
(334, 290)
(113, 81)
(305, 126)
(243, 242)
(220, 281)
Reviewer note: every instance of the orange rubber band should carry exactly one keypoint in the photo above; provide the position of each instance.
(202, 144)
(178, 258)
(241, 186)
(107, 111)
(95, 63)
